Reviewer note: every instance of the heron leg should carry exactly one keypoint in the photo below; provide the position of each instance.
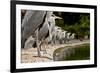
(40, 47)
(37, 43)
(44, 44)
(45, 47)
(45, 52)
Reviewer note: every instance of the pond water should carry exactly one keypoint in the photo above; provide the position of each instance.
(79, 52)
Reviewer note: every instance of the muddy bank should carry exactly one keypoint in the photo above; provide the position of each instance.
(30, 55)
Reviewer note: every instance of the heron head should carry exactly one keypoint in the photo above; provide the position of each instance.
(49, 13)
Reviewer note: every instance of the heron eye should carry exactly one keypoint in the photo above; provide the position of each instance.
(52, 15)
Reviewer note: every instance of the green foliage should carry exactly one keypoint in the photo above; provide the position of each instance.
(81, 27)
(60, 23)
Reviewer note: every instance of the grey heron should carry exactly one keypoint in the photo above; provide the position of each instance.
(52, 23)
(45, 32)
(68, 36)
(72, 36)
(31, 23)
(63, 33)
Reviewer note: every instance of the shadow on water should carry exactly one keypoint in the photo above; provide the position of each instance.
(79, 52)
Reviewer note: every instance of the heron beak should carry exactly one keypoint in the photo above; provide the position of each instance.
(56, 17)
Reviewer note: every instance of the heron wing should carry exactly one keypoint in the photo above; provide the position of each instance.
(32, 21)
(43, 31)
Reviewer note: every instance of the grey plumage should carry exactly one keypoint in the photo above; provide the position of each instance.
(32, 20)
